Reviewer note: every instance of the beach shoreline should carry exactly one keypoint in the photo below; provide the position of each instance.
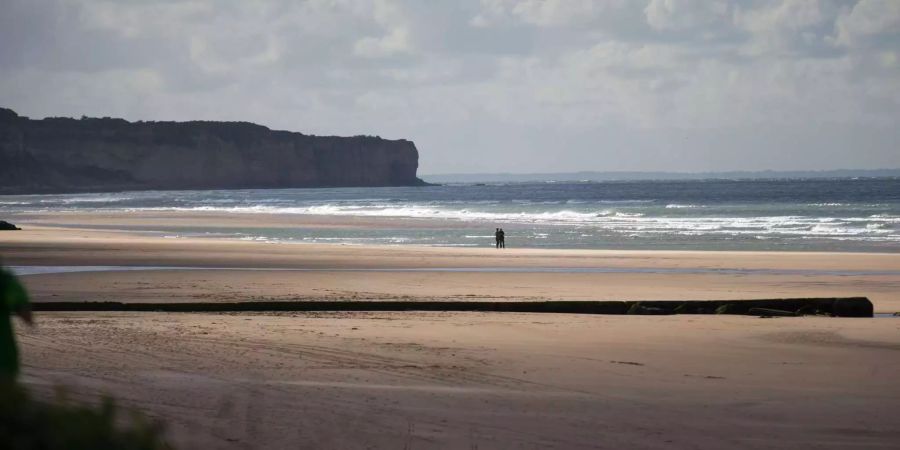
(457, 379)
(577, 217)
(379, 272)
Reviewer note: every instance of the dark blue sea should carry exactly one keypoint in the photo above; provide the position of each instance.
(787, 214)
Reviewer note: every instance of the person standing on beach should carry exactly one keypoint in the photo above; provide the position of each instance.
(13, 301)
(497, 238)
(501, 237)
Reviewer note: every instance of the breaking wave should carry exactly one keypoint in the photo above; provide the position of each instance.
(594, 215)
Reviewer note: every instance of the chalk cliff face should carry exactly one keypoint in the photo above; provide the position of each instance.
(71, 155)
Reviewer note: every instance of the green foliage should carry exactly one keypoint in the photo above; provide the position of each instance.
(27, 423)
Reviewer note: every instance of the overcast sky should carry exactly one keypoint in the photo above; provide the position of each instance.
(487, 86)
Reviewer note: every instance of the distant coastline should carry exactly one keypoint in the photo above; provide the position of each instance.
(648, 176)
(58, 155)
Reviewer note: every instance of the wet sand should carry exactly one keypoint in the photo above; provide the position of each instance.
(636, 275)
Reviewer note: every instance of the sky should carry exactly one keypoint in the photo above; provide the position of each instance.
(490, 85)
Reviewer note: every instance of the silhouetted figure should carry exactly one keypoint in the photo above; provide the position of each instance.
(13, 301)
(502, 237)
(497, 238)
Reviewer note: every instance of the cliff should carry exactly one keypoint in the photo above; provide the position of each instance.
(92, 154)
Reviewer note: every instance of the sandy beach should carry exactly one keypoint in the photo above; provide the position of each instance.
(460, 380)
(475, 225)
(463, 380)
(360, 272)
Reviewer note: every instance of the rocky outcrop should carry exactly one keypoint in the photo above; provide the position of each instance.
(93, 154)
(6, 226)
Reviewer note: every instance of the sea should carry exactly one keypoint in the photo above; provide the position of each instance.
(841, 214)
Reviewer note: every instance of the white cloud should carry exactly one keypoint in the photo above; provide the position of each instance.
(798, 27)
(867, 20)
(555, 12)
(393, 43)
(685, 14)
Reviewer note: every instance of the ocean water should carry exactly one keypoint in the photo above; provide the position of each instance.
(788, 214)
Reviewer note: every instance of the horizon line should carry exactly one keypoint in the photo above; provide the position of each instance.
(673, 172)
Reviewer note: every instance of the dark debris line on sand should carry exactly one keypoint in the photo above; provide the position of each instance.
(834, 307)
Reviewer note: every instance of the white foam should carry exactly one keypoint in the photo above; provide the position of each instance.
(630, 218)
(99, 198)
(679, 206)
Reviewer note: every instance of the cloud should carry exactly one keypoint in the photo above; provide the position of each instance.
(567, 84)
(870, 22)
(556, 12)
(686, 14)
(395, 42)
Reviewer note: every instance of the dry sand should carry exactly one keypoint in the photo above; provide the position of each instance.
(464, 380)
(480, 380)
